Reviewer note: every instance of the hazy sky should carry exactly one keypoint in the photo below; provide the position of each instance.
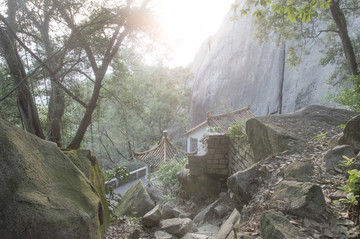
(189, 23)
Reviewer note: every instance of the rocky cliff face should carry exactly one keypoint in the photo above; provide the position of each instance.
(232, 69)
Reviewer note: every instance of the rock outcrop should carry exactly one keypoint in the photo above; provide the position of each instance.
(232, 68)
(289, 194)
(42, 193)
(276, 133)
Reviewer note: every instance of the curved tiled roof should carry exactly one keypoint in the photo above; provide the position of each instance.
(223, 121)
(161, 153)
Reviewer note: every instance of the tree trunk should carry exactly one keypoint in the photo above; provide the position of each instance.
(26, 104)
(86, 120)
(340, 21)
(55, 113)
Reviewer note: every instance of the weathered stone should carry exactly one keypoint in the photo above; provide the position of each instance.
(303, 199)
(208, 229)
(89, 165)
(275, 225)
(334, 140)
(135, 202)
(245, 184)
(206, 214)
(162, 235)
(195, 236)
(276, 133)
(169, 210)
(299, 171)
(227, 226)
(351, 135)
(333, 157)
(178, 226)
(220, 211)
(153, 217)
(42, 193)
(201, 187)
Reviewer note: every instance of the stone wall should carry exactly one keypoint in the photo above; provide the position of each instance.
(240, 156)
(214, 161)
(222, 157)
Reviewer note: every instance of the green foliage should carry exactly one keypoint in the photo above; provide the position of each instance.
(167, 175)
(237, 132)
(117, 172)
(350, 94)
(321, 136)
(113, 198)
(347, 162)
(352, 186)
(138, 103)
(213, 129)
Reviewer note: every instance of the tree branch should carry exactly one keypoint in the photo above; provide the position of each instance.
(52, 75)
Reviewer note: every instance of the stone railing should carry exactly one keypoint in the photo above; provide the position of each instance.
(138, 173)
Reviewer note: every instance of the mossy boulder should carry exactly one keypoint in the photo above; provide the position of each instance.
(89, 165)
(136, 202)
(42, 193)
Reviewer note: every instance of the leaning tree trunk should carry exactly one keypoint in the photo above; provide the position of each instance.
(86, 120)
(340, 21)
(26, 104)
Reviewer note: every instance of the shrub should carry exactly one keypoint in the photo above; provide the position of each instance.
(167, 175)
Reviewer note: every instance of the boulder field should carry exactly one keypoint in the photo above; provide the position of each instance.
(288, 193)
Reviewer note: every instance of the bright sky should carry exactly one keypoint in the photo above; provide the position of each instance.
(189, 22)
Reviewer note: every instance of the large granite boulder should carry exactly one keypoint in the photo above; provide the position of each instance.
(136, 202)
(42, 193)
(276, 133)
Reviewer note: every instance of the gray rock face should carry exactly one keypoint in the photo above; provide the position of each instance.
(299, 171)
(275, 225)
(351, 134)
(333, 157)
(42, 193)
(232, 68)
(302, 199)
(276, 133)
